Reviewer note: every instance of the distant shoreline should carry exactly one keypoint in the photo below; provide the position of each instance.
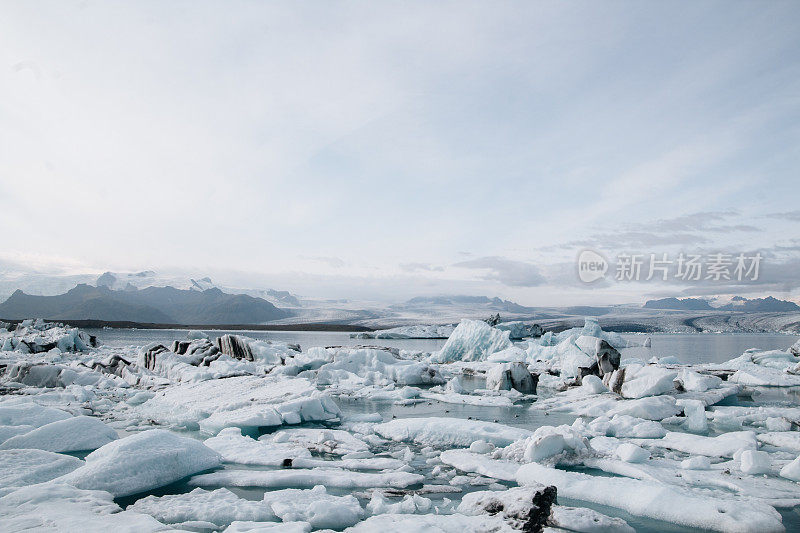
(121, 324)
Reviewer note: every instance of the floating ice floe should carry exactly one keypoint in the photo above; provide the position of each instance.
(442, 523)
(725, 445)
(479, 463)
(58, 507)
(40, 375)
(328, 441)
(449, 432)
(410, 504)
(645, 380)
(657, 501)
(352, 368)
(219, 507)
(20, 468)
(523, 508)
(639, 428)
(792, 470)
(429, 331)
(315, 506)
(246, 402)
(787, 440)
(200, 359)
(586, 520)
(237, 448)
(763, 368)
(576, 355)
(306, 478)
(261, 527)
(79, 433)
(626, 426)
(754, 462)
(30, 415)
(38, 336)
(141, 462)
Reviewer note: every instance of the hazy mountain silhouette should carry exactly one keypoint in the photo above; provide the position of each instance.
(166, 305)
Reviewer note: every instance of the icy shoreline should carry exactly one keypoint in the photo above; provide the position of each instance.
(239, 434)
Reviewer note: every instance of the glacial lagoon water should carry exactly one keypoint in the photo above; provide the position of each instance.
(689, 348)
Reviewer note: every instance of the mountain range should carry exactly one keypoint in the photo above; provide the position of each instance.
(162, 305)
(480, 302)
(737, 303)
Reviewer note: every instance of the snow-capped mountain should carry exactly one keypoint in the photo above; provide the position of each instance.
(120, 281)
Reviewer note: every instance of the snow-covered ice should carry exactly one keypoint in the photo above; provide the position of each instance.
(78, 433)
(235, 433)
(306, 478)
(20, 468)
(315, 506)
(220, 507)
(449, 432)
(246, 402)
(141, 462)
(657, 501)
(58, 507)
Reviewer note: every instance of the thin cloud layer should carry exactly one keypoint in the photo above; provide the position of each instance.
(386, 139)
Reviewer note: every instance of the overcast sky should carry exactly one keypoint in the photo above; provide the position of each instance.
(385, 150)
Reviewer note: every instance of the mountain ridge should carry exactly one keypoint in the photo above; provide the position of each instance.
(737, 303)
(151, 304)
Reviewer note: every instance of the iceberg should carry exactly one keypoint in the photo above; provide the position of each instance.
(372, 366)
(511, 376)
(520, 330)
(650, 380)
(472, 340)
(37, 336)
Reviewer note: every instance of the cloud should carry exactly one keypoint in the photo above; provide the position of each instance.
(793, 216)
(702, 221)
(506, 271)
(415, 267)
(685, 230)
(333, 262)
(634, 240)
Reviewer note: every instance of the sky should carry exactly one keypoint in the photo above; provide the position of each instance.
(384, 150)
